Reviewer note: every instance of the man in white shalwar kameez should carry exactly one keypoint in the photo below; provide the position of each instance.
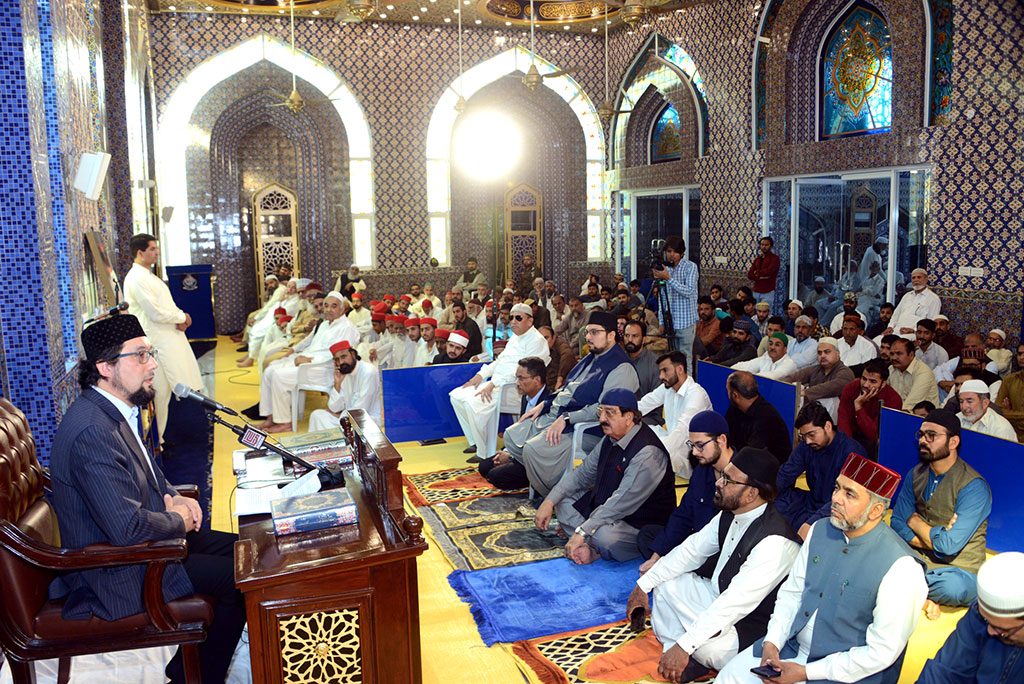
(359, 315)
(682, 399)
(281, 377)
(476, 403)
(149, 300)
(290, 304)
(357, 385)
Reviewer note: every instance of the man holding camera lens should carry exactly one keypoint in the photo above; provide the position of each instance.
(680, 290)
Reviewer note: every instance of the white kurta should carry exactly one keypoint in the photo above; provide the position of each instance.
(804, 354)
(361, 319)
(836, 326)
(690, 611)
(680, 406)
(934, 356)
(281, 377)
(860, 352)
(990, 423)
(262, 327)
(763, 365)
(479, 418)
(360, 389)
(149, 300)
(901, 594)
(913, 307)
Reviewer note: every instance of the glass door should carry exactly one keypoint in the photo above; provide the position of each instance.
(656, 214)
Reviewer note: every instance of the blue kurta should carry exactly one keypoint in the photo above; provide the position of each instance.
(799, 506)
(695, 510)
(971, 656)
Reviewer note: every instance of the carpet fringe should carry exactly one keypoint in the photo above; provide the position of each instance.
(462, 590)
(541, 670)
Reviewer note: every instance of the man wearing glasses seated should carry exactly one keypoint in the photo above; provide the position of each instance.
(943, 515)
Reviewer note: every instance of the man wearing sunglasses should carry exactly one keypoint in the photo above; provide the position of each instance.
(476, 402)
(944, 514)
(988, 643)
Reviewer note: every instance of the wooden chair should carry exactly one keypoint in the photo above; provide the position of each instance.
(31, 626)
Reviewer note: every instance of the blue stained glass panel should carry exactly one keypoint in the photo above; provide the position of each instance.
(665, 141)
(856, 75)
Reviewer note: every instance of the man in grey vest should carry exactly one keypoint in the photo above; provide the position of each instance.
(713, 593)
(852, 599)
(944, 514)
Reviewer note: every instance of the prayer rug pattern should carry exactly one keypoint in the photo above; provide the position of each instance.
(482, 510)
(446, 486)
(563, 658)
(492, 545)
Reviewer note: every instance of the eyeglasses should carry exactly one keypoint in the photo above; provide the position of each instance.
(698, 446)
(143, 355)
(728, 480)
(519, 317)
(594, 331)
(999, 632)
(929, 435)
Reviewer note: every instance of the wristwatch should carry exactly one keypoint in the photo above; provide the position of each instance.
(579, 531)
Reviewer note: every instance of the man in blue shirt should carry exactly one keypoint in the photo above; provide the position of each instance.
(988, 643)
(709, 447)
(821, 453)
(942, 512)
(680, 276)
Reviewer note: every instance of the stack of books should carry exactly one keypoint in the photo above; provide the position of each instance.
(323, 448)
(329, 508)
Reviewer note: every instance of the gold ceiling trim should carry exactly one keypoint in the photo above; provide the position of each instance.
(549, 14)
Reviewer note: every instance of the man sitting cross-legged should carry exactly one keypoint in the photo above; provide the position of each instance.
(625, 482)
(713, 593)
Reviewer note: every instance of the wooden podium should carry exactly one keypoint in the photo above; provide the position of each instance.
(338, 605)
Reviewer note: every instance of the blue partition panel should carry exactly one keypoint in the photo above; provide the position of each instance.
(996, 459)
(192, 290)
(781, 395)
(416, 404)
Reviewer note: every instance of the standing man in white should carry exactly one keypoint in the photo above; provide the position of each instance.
(149, 300)
(476, 403)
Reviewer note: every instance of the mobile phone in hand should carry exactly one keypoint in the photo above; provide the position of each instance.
(766, 672)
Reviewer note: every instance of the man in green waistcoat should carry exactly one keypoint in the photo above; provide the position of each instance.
(943, 514)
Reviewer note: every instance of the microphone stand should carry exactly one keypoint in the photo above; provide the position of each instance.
(328, 478)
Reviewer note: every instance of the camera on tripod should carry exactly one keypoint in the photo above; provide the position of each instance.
(657, 254)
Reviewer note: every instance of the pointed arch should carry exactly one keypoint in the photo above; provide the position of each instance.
(174, 131)
(759, 76)
(442, 124)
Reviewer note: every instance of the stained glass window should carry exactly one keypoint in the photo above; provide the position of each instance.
(665, 142)
(856, 75)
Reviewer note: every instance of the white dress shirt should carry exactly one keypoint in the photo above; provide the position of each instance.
(769, 561)
(913, 307)
(680, 406)
(837, 321)
(990, 423)
(502, 370)
(934, 356)
(862, 351)
(804, 354)
(318, 345)
(763, 365)
(901, 594)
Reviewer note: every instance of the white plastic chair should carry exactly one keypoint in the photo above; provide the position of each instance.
(307, 382)
(577, 446)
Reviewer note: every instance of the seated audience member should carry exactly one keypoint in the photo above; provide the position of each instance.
(558, 309)
(854, 348)
(942, 512)
(736, 310)
(817, 329)
(644, 361)
(359, 315)
(682, 398)
(988, 642)
(772, 324)
(919, 303)
(541, 440)
(762, 312)
(817, 295)
(971, 355)
(281, 377)
(885, 346)
(752, 420)
(576, 320)
(708, 330)
(593, 297)
(775, 364)
(922, 408)
(737, 347)
(946, 338)
(1010, 398)
(820, 456)
(108, 489)
(713, 594)
(852, 599)
(911, 379)
(978, 414)
(540, 313)
(455, 350)
(427, 349)
(860, 405)
(636, 297)
(562, 359)
(503, 326)
(466, 325)
(716, 293)
(1003, 358)
(849, 309)
(624, 483)
(710, 453)
(928, 352)
(501, 470)
(960, 376)
(794, 309)
(350, 282)
(357, 385)
(827, 378)
(441, 337)
(471, 277)
(803, 348)
(884, 316)
(476, 402)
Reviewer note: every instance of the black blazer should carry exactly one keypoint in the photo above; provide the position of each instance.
(544, 394)
(104, 492)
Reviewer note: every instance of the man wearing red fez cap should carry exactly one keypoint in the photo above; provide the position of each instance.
(852, 599)
(357, 295)
(356, 385)
(414, 336)
(407, 299)
(314, 287)
(389, 298)
(359, 315)
(454, 350)
(427, 347)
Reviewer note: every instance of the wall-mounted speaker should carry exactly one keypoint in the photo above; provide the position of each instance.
(92, 172)
(166, 213)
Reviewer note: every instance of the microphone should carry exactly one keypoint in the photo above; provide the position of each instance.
(183, 391)
(123, 306)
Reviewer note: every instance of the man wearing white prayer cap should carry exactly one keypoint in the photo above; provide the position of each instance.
(919, 303)
(976, 413)
(988, 643)
(996, 343)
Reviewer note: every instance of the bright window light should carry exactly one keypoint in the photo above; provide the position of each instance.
(487, 145)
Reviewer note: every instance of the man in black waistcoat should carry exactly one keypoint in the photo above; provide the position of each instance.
(624, 483)
(714, 593)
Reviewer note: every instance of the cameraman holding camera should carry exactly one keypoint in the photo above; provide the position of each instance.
(679, 314)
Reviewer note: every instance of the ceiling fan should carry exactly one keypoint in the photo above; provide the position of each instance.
(293, 101)
(533, 78)
(634, 11)
(354, 11)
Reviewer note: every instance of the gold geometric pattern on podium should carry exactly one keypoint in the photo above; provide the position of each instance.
(321, 647)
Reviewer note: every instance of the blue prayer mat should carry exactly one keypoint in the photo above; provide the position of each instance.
(548, 597)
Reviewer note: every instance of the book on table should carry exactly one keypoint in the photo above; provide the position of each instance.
(329, 508)
(322, 448)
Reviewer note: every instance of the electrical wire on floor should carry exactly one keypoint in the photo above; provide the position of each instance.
(238, 372)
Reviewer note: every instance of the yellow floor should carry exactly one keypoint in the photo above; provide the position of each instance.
(451, 646)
